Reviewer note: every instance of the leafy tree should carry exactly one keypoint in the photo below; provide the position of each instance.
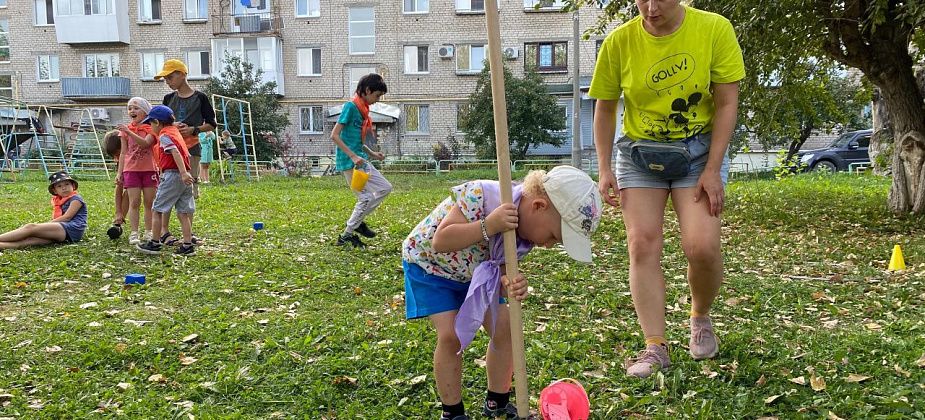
(532, 113)
(240, 80)
(780, 38)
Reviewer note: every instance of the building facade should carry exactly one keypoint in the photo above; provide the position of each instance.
(99, 53)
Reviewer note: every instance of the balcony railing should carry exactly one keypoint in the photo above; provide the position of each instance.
(96, 87)
(255, 23)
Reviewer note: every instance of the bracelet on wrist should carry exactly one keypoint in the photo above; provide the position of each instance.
(484, 230)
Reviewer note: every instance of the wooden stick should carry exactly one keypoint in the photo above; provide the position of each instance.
(521, 386)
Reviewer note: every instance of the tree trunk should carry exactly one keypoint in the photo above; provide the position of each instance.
(795, 145)
(904, 100)
(882, 138)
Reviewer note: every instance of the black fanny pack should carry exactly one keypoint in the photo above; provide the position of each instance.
(668, 161)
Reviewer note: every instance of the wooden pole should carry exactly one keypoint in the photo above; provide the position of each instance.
(521, 386)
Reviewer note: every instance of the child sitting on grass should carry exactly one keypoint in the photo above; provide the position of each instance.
(68, 223)
(175, 188)
(453, 262)
(112, 145)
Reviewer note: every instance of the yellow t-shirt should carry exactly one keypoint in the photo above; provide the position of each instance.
(666, 80)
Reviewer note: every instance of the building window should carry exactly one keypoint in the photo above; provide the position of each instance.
(470, 6)
(102, 65)
(195, 9)
(198, 63)
(6, 85)
(151, 64)
(85, 7)
(309, 61)
(149, 10)
(44, 12)
(307, 8)
(597, 48)
(417, 119)
(49, 68)
(311, 120)
(3, 4)
(356, 73)
(416, 60)
(4, 40)
(470, 58)
(544, 4)
(461, 109)
(417, 6)
(547, 56)
(362, 30)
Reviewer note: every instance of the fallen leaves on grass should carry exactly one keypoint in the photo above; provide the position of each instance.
(855, 378)
(158, 378)
(52, 349)
(190, 338)
(921, 362)
(21, 285)
(345, 380)
(187, 360)
(817, 382)
(770, 400)
(123, 386)
(799, 380)
(833, 416)
(136, 323)
(88, 305)
(418, 379)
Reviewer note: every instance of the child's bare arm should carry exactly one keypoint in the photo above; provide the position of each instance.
(181, 166)
(456, 232)
(145, 141)
(335, 137)
(71, 211)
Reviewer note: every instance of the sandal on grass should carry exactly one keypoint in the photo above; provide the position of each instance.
(170, 240)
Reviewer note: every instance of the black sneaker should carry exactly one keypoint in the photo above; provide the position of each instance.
(350, 238)
(114, 232)
(186, 249)
(459, 417)
(364, 230)
(150, 247)
(509, 411)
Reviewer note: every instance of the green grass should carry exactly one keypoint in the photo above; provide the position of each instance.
(290, 326)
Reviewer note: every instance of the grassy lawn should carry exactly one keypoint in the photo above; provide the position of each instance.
(282, 324)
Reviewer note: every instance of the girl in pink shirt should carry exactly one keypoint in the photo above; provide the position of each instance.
(137, 168)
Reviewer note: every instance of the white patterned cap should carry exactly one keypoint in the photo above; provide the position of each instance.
(578, 201)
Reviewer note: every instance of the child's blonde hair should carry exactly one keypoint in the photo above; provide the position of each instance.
(112, 143)
(533, 183)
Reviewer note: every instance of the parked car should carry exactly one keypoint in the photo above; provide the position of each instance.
(848, 148)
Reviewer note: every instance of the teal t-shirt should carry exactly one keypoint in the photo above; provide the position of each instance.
(352, 121)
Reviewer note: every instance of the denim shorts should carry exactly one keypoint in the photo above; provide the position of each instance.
(630, 175)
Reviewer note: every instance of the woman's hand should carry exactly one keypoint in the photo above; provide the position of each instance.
(501, 219)
(711, 184)
(607, 185)
(516, 289)
(357, 161)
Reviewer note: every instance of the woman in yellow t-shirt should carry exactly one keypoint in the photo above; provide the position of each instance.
(677, 69)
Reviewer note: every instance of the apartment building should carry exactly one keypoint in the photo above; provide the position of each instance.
(99, 53)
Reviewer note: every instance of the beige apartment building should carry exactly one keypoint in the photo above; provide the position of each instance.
(98, 53)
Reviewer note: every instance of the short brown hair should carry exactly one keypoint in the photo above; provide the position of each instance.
(112, 143)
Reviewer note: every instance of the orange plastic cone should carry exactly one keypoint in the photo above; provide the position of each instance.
(896, 261)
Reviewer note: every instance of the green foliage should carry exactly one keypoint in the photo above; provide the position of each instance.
(532, 115)
(787, 165)
(240, 80)
(285, 319)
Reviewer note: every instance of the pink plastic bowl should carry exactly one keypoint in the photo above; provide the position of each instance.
(565, 399)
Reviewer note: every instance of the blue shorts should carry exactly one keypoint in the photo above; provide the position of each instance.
(630, 175)
(427, 294)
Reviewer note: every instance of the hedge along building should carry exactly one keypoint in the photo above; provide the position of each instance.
(99, 53)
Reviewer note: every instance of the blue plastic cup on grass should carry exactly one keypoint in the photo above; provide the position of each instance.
(134, 279)
(258, 225)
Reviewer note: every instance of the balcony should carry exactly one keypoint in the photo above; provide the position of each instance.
(95, 28)
(96, 88)
(247, 23)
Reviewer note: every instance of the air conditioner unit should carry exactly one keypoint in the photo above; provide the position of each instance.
(511, 53)
(445, 51)
(99, 114)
